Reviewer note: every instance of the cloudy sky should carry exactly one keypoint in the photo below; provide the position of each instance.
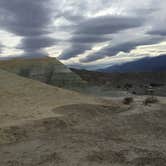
(83, 33)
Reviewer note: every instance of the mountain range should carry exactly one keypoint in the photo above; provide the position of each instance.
(148, 64)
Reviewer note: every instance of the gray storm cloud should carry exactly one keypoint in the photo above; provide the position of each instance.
(24, 18)
(36, 43)
(103, 27)
(94, 30)
(121, 47)
(76, 27)
(108, 24)
(28, 19)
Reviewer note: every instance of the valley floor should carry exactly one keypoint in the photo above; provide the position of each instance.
(105, 134)
(42, 125)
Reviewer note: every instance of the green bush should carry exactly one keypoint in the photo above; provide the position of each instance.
(24, 72)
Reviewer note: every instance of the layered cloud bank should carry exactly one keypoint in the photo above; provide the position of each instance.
(81, 33)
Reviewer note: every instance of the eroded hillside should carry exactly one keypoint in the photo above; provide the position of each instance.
(24, 99)
(47, 70)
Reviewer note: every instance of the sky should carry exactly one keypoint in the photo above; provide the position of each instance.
(83, 33)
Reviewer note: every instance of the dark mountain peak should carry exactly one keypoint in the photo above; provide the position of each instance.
(148, 64)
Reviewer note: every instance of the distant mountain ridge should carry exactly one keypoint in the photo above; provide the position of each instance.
(148, 64)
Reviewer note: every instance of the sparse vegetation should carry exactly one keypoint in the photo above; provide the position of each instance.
(134, 93)
(128, 86)
(24, 72)
(128, 100)
(137, 82)
(150, 100)
(118, 86)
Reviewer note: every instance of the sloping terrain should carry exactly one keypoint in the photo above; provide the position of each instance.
(23, 99)
(42, 125)
(47, 70)
(97, 134)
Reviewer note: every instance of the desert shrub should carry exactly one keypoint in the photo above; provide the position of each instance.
(128, 100)
(118, 86)
(128, 86)
(150, 100)
(134, 92)
(24, 72)
(156, 84)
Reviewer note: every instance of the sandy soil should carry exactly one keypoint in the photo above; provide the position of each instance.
(42, 125)
(24, 99)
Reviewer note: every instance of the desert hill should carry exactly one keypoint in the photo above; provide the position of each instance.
(24, 99)
(42, 125)
(47, 70)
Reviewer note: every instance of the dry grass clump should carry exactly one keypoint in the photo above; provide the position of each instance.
(128, 100)
(151, 100)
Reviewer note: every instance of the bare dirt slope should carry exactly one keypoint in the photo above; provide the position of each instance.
(23, 99)
(47, 126)
(89, 134)
(46, 69)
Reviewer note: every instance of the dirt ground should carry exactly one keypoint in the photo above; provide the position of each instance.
(89, 135)
(42, 125)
